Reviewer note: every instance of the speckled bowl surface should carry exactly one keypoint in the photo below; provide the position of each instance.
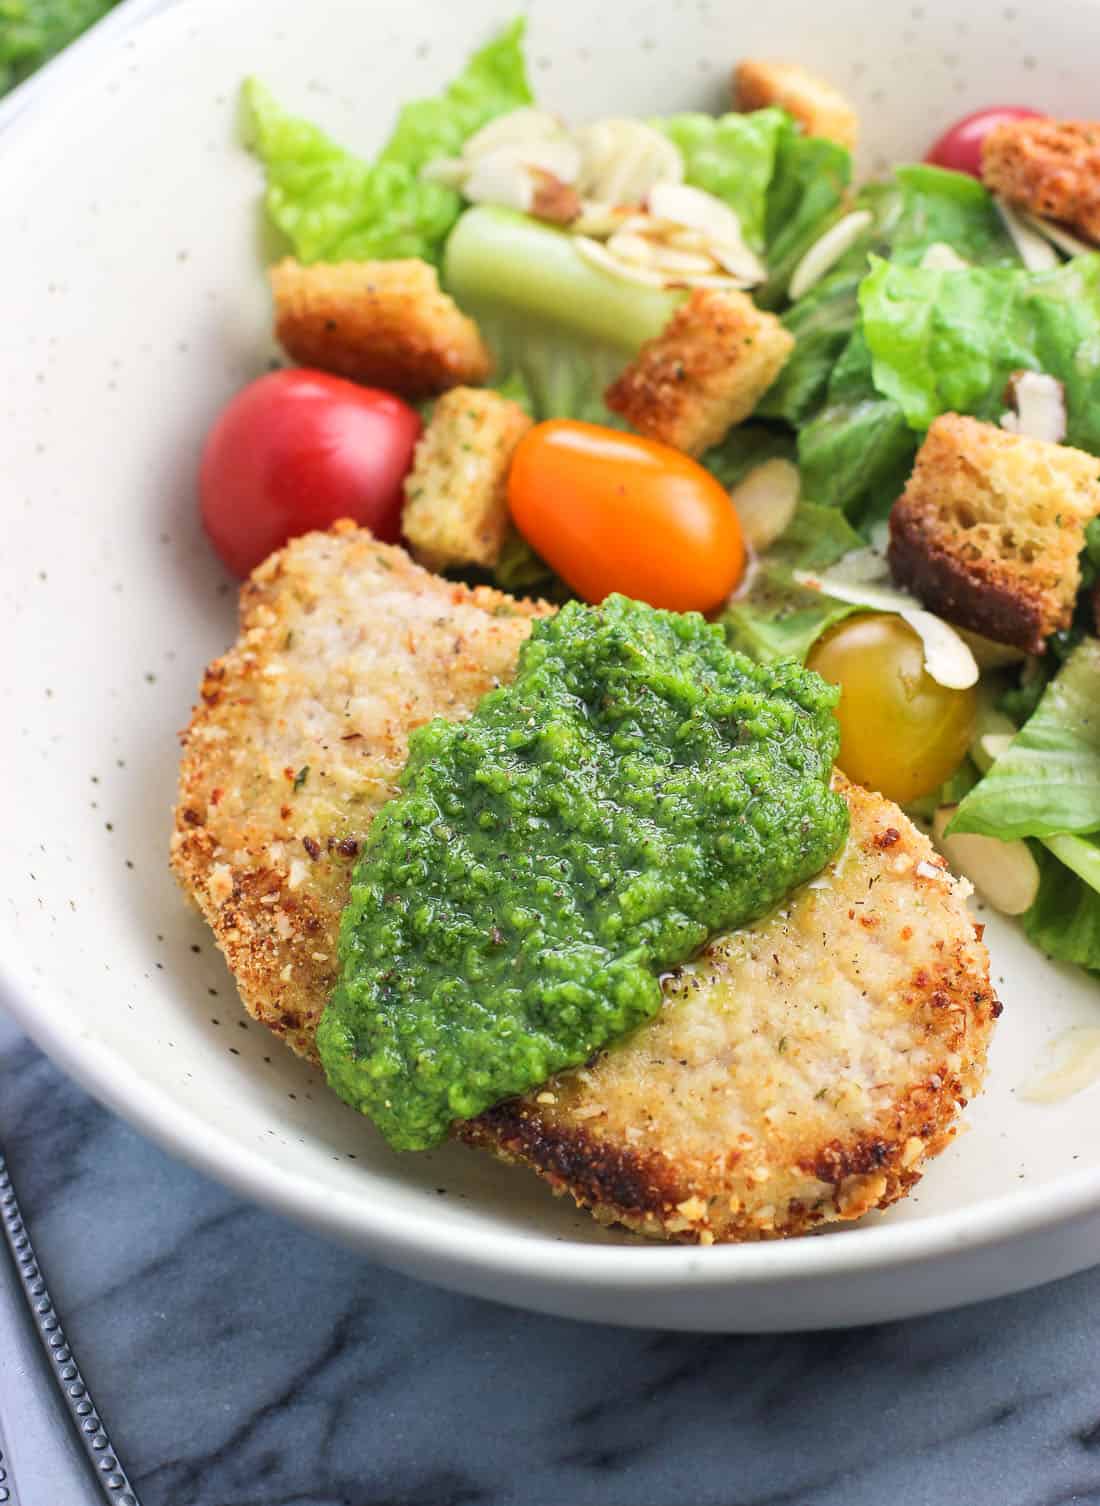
(134, 305)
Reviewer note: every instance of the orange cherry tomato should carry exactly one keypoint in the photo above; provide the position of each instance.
(614, 512)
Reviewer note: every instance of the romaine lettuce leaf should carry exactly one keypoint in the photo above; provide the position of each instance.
(857, 453)
(567, 327)
(1064, 921)
(333, 206)
(745, 447)
(805, 195)
(948, 341)
(732, 157)
(919, 207)
(936, 206)
(777, 618)
(822, 324)
(1048, 780)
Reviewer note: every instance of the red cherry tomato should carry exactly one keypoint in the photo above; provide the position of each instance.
(614, 512)
(960, 146)
(296, 450)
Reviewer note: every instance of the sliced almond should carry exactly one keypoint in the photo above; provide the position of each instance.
(1039, 404)
(988, 654)
(825, 252)
(602, 220)
(704, 213)
(1036, 252)
(648, 252)
(451, 171)
(941, 257)
(695, 208)
(946, 657)
(623, 160)
(519, 127)
(1058, 235)
(996, 744)
(740, 262)
(685, 239)
(1004, 873)
(765, 501)
(599, 256)
(497, 178)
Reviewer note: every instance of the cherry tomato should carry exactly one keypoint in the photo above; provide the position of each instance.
(900, 731)
(614, 512)
(960, 146)
(296, 450)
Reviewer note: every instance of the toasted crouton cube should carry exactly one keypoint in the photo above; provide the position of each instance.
(456, 503)
(988, 531)
(705, 371)
(1050, 167)
(819, 109)
(382, 322)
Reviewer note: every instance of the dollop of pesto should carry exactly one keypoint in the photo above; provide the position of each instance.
(638, 788)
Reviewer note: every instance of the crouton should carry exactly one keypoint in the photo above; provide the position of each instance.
(819, 109)
(988, 531)
(382, 322)
(705, 371)
(456, 502)
(1050, 167)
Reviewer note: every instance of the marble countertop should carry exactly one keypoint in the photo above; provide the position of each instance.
(239, 1361)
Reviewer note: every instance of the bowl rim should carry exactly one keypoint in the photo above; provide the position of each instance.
(364, 1221)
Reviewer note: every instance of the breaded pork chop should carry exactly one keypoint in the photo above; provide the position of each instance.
(800, 1071)
(300, 735)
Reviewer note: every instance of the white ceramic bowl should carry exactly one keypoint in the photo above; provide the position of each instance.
(134, 305)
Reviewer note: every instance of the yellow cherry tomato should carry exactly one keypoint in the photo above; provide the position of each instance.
(614, 512)
(900, 731)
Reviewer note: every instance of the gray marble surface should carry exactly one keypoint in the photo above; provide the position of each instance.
(240, 1361)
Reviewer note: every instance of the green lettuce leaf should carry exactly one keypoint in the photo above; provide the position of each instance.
(1048, 781)
(935, 206)
(1064, 921)
(919, 207)
(777, 618)
(947, 341)
(805, 195)
(744, 448)
(333, 206)
(856, 454)
(732, 157)
(567, 327)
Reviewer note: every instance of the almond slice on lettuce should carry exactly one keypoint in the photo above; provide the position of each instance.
(1037, 406)
(946, 657)
(1004, 873)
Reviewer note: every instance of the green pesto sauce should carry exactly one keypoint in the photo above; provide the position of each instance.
(637, 788)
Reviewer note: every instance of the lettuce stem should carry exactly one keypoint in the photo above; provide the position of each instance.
(1078, 854)
(499, 258)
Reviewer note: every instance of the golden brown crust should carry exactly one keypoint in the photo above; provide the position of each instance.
(820, 109)
(705, 371)
(345, 647)
(1050, 167)
(385, 323)
(800, 1071)
(989, 530)
(456, 496)
(758, 1104)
